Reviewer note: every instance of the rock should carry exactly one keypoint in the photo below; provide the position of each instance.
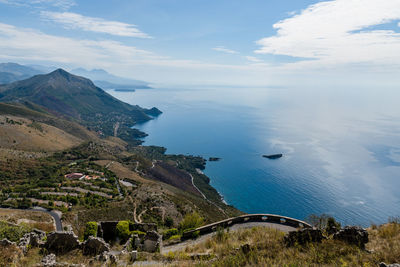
(113, 258)
(6, 243)
(128, 245)
(353, 235)
(61, 242)
(105, 256)
(245, 249)
(95, 246)
(32, 239)
(143, 227)
(382, 264)
(133, 255)
(41, 234)
(152, 242)
(49, 260)
(303, 236)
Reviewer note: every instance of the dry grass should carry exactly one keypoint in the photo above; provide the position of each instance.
(268, 249)
(28, 136)
(34, 219)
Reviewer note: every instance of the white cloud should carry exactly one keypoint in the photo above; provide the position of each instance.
(24, 45)
(76, 21)
(253, 59)
(35, 45)
(336, 32)
(225, 50)
(63, 4)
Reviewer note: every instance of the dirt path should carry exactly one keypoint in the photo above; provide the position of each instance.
(191, 243)
(201, 193)
(209, 201)
(116, 127)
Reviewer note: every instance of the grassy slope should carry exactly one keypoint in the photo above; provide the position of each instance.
(40, 116)
(266, 249)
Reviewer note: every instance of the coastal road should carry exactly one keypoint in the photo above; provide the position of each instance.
(190, 242)
(53, 213)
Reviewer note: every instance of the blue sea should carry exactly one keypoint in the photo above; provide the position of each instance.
(341, 146)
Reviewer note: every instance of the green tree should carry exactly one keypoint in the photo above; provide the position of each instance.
(191, 221)
(90, 230)
(123, 230)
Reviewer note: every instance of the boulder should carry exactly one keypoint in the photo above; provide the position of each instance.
(32, 239)
(105, 256)
(382, 264)
(353, 235)
(61, 242)
(49, 260)
(95, 246)
(303, 236)
(152, 242)
(6, 243)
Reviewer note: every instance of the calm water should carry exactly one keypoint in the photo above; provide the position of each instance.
(341, 147)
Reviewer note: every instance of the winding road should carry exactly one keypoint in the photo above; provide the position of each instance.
(55, 214)
(281, 223)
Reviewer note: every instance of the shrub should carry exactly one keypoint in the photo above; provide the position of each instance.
(12, 232)
(324, 222)
(139, 233)
(170, 232)
(192, 220)
(90, 230)
(175, 237)
(123, 230)
(194, 234)
(332, 225)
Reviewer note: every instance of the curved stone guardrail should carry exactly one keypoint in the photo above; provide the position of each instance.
(249, 218)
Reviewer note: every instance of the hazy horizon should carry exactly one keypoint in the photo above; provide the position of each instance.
(210, 43)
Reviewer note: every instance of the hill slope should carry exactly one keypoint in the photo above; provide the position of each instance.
(77, 98)
(11, 72)
(25, 129)
(63, 93)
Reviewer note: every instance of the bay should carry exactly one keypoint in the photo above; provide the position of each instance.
(341, 146)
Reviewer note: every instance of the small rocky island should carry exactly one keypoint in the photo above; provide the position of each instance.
(214, 159)
(273, 156)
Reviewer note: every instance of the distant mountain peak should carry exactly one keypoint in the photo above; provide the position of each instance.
(61, 73)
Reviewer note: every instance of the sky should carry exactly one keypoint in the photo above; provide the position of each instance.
(210, 42)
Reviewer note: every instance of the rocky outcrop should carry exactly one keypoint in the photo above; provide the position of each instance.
(303, 236)
(143, 227)
(95, 246)
(49, 260)
(353, 235)
(61, 242)
(382, 264)
(152, 242)
(7, 243)
(32, 239)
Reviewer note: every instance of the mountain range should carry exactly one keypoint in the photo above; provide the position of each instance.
(78, 99)
(11, 72)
